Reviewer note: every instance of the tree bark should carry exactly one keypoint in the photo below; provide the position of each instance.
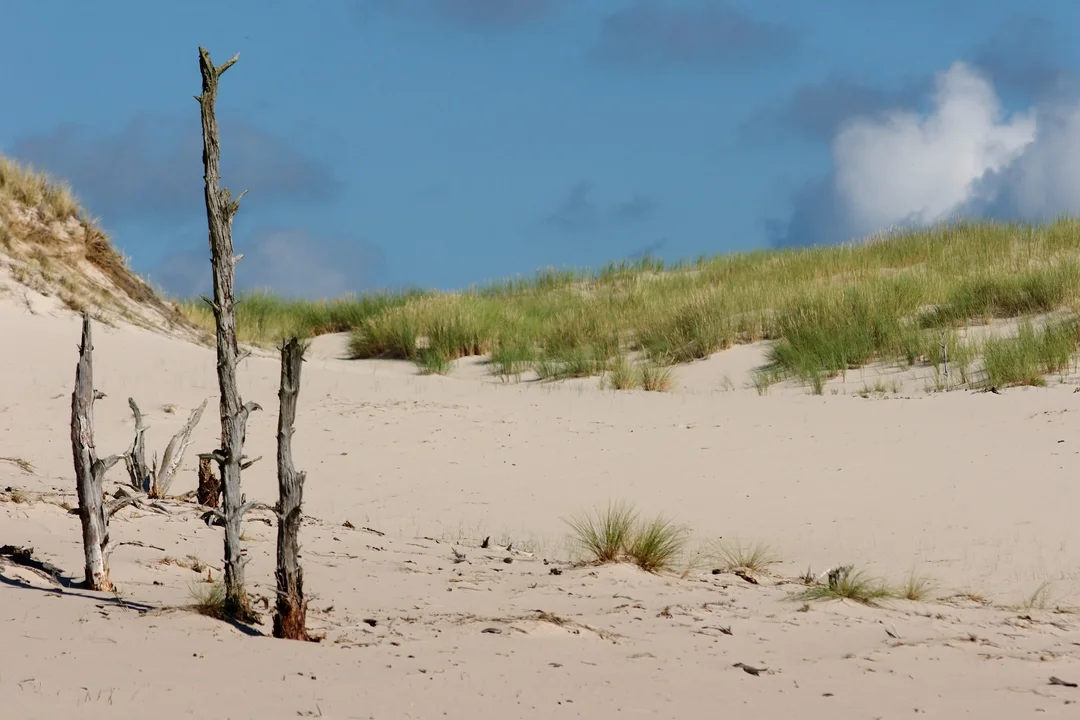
(290, 617)
(220, 209)
(90, 470)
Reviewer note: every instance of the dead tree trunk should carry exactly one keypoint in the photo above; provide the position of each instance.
(90, 470)
(220, 209)
(290, 617)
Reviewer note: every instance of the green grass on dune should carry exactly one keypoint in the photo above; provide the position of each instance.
(828, 309)
(265, 318)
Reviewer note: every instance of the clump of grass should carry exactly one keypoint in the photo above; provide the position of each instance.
(430, 361)
(915, 588)
(990, 296)
(209, 599)
(1027, 358)
(655, 377)
(828, 333)
(649, 375)
(657, 544)
(578, 362)
(693, 328)
(603, 535)
(846, 583)
(757, 557)
(622, 375)
(511, 358)
(392, 335)
(458, 334)
(616, 535)
(36, 190)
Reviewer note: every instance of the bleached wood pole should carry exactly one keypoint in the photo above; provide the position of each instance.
(290, 616)
(220, 209)
(90, 470)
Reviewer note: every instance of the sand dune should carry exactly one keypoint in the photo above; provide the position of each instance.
(976, 491)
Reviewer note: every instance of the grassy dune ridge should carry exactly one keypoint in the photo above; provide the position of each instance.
(894, 298)
(50, 244)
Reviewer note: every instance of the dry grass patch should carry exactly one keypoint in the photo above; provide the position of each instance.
(209, 599)
(16, 495)
(25, 465)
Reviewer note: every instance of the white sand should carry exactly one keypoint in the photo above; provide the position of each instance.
(977, 491)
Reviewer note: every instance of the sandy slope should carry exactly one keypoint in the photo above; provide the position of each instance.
(977, 491)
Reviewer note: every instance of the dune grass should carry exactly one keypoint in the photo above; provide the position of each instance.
(264, 318)
(208, 598)
(658, 544)
(827, 309)
(31, 188)
(915, 588)
(755, 557)
(1032, 354)
(603, 535)
(616, 534)
(847, 583)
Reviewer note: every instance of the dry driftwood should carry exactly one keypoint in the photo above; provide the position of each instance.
(220, 209)
(155, 481)
(90, 470)
(290, 616)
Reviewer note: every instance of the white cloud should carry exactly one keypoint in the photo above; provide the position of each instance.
(1044, 182)
(966, 155)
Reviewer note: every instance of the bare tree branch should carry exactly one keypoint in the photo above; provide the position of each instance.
(253, 505)
(135, 459)
(174, 454)
(249, 463)
(114, 506)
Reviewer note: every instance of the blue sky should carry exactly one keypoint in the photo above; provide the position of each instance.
(442, 143)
